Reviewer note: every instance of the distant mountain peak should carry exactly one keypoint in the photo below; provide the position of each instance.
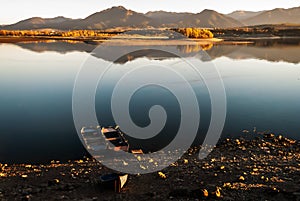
(120, 7)
(116, 8)
(208, 11)
(60, 17)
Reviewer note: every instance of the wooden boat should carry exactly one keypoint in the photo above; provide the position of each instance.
(98, 138)
(106, 138)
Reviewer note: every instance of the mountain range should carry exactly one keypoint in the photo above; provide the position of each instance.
(120, 17)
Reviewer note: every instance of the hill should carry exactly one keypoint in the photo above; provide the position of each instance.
(243, 15)
(115, 17)
(40, 23)
(211, 19)
(206, 19)
(275, 16)
(163, 18)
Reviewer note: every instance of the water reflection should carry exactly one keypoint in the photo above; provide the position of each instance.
(36, 92)
(275, 50)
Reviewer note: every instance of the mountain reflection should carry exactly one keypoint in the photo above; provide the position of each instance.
(274, 50)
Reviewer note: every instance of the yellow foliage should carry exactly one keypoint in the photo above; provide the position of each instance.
(3, 32)
(162, 175)
(195, 33)
(73, 33)
(205, 193)
(218, 193)
(3, 174)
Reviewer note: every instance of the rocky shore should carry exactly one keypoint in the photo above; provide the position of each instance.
(264, 168)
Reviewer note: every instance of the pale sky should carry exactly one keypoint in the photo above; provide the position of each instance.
(12, 11)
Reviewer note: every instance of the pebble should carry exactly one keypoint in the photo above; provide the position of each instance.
(228, 166)
(26, 191)
(64, 197)
(26, 198)
(180, 192)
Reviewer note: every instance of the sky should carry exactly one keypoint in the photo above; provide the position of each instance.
(12, 11)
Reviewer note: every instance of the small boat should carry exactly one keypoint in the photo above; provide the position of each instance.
(106, 138)
(97, 139)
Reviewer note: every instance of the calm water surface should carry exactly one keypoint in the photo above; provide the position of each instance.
(262, 85)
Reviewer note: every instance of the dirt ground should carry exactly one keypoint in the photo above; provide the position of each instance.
(265, 168)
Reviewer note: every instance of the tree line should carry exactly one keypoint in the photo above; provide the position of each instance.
(73, 33)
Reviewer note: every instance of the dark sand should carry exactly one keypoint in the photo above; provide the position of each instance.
(266, 168)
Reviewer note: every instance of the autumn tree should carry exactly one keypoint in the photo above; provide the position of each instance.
(195, 33)
(3, 32)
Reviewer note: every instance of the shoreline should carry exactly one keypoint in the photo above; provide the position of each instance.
(125, 40)
(267, 167)
(113, 40)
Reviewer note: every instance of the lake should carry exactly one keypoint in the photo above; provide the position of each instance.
(261, 80)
